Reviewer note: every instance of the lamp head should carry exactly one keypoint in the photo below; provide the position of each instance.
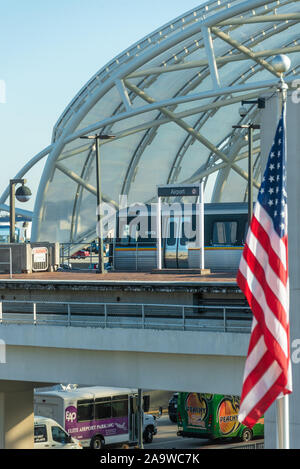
(281, 63)
(243, 111)
(23, 193)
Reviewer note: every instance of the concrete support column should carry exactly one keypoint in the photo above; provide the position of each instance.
(16, 415)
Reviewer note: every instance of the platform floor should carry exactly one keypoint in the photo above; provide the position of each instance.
(125, 277)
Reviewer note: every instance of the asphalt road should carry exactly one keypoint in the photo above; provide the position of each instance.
(166, 437)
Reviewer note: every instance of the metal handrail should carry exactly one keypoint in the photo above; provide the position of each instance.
(128, 315)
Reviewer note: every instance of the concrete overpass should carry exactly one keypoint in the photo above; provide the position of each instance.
(197, 356)
(149, 359)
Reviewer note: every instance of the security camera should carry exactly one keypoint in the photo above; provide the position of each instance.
(243, 111)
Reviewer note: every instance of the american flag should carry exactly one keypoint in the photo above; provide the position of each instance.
(263, 278)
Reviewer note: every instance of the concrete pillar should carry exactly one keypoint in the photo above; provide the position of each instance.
(16, 415)
(268, 123)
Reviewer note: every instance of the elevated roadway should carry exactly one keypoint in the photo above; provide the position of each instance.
(161, 345)
(166, 355)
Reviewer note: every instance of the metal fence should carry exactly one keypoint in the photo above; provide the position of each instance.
(78, 256)
(253, 444)
(128, 315)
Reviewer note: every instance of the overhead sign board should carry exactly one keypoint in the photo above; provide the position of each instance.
(179, 190)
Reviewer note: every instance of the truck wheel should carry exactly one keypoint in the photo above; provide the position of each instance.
(97, 442)
(148, 435)
(246, 435)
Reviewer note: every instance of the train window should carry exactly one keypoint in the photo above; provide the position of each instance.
(246, 232)
(124, 234)
(171, 234)
(225, 232)
(188, 231)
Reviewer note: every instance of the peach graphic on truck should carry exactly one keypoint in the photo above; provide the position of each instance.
(196, 407)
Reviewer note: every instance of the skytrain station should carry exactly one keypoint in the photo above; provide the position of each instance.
(170, 101)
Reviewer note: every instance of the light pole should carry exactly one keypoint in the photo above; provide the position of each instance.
(96, 139)
(22, 194)
(250, 128)
(261, 104)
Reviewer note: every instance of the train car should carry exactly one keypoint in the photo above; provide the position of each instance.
(134, 248)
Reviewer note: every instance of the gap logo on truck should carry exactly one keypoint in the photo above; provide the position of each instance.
(71, 414)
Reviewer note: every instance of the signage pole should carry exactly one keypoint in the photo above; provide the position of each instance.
(201, 227)
(158, 233)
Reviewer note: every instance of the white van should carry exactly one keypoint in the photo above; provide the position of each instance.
(48, 434)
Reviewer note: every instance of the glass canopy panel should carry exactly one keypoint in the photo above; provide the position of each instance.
(57, 209)
(214, 130)
(75, 147)
(231, 72)
(195, 158)
(115, 160)
(103, 108)
(84, 218)
(137, 123)
(235, 187)
(170, 84)
(288, 36)
(155, 164)
(75, 162)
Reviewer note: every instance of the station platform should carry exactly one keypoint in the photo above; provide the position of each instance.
(124, 277)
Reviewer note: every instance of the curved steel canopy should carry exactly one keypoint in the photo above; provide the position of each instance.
(171, 101)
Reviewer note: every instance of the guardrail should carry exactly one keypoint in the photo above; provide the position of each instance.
(128, 315)
(253, 444)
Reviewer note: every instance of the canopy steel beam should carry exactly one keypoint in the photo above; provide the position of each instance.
(261, 19)
(271, 85)
(245, 50)
(191, 131)
(82, 182)
(124, 95)
(219, 60)
(209, 49)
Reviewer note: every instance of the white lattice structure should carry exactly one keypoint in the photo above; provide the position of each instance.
(171, 101)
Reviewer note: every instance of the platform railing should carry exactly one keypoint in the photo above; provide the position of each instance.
(222, 318)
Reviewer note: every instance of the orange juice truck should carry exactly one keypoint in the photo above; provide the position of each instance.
(213, 416)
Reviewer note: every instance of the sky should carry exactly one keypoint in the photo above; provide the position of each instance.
(48, 51)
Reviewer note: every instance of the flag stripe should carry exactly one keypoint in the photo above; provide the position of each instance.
(260, 258)
(277, 263)
(277, 311)
(261, 309)
(275, 243)
(255, 353)
(263, 361)
(250, 417)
